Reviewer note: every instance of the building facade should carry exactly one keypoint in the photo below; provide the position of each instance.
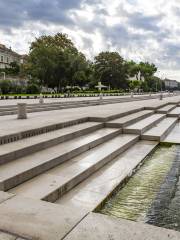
(8, 56)
(170, 84)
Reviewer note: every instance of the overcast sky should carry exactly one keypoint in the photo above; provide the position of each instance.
(142, 30)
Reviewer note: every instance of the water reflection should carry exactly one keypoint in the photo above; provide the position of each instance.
(152, 195)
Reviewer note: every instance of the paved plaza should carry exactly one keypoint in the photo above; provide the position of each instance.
(58, 167)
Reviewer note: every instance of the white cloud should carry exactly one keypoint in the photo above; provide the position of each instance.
(140, 30)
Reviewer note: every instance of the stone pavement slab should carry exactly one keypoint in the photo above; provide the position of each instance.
(57, 181)
(93, 191)
(5, 196)
(10, 125)
(173, 136)
(96, 226)
(175, 112)
(8, 236)
(40, 220)
(159, 132)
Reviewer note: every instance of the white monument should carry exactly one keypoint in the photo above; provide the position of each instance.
(99, 87)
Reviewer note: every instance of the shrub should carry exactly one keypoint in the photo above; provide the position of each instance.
(5, 86)
(33, 89)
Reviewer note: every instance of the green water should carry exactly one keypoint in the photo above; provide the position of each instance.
(135, 199)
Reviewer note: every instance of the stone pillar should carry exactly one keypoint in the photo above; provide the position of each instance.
(22, 111)
(100, 96)
(41, 100)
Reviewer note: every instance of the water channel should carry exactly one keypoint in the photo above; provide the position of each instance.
(152, 194)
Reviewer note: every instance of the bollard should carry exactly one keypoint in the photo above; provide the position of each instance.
(22, 111)
(132, 95)
(41, 100)
(150, 94)
(161, 96)
(100, 98)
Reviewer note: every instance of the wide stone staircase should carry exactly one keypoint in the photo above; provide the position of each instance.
(50, 106)
(78, 166)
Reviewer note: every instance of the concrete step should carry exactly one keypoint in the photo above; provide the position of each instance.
(92, 192)
(166, 108)
(174, 113)
(161, 130)
(115, 116)
(17, 134)
(145, 124)
(59, 180)
(173, 136)
(129, 119)
(24, 147)
(25, 168)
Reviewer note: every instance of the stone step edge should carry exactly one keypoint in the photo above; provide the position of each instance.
(129, 122)
(166, 111)
(43, 167)
(123, 182)
(115, 116)
(24, 151)
(61, 190)
(37, 131)
(141, 131)
(159, 138)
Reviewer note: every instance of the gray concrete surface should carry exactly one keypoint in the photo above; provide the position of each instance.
(33, 219)
(174, 135)
(10, 125)
(64, 177)
(22, 169)
(89, 194)
(166, 108)
(174, 113)
(129, 119)
(96, 226)
(145, 124)
(159, 132)
(97, 171)
(24, 147)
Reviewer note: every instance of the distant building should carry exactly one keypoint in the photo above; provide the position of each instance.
(170, 84)
(8, 56)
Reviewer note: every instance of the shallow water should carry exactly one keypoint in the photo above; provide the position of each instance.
(152, 194)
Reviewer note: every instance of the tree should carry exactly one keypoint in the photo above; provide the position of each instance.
(147, 70)
(133, 69)
(78, 68)
(54, 60)
(110, 69)
(135, 84)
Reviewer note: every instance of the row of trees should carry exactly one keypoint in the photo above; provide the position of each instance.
(55, 62)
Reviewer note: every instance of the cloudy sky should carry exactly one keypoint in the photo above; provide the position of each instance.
(142, 30)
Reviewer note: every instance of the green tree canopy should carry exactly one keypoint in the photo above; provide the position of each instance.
(110, 69)
(55, 60)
